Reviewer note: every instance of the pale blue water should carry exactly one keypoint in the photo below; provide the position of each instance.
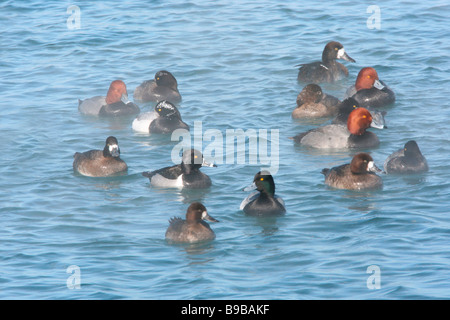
(235, 65)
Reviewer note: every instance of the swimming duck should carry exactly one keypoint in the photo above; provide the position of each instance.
(263, 202)
(352, 135)
(193, 229)
(370, 91)
(312, 102)
(359, 174)
(350, 104)
(100, 163)
(163, 87)
(327, 70)
(184, 175)
(165, 118)
(115, 103)
(407, 160)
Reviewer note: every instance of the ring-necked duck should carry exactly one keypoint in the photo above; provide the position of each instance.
(163, 87)
(357, 175)
(407, 160)
(100, 163)
(263, 202)
(193, 229)
(184, 175)
(327, 70)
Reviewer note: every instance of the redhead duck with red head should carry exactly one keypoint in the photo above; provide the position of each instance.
(370, 91)
(327, 70)
(339, 136)
(115, 103)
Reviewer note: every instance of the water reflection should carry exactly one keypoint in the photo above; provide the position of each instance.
(197, 252)
(360, 201)
(268, 225)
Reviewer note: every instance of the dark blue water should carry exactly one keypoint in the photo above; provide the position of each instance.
(235, 65)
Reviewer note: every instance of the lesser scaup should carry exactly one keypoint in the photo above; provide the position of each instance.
(184, 175)
(115, 103)
(327, 70)
(407, 160)
(163, 87)
(263, 202)
(193, 229)
(350, 104)
(100, 163)
(164, 119)
(370, 91)
(352, 135)
(312, 102)
(357, 175)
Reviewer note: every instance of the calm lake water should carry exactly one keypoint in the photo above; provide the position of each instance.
(235, 65)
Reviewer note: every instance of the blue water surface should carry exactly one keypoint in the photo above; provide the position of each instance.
(235, 62)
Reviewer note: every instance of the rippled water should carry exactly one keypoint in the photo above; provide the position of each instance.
(235, 65)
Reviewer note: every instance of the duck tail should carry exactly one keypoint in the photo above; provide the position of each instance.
(147, 174)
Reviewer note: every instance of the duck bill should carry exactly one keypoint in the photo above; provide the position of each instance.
(114, 151)
(378, 121)
(344, 56)
(125, 99)
(250, 187)
(372, 167)
(207, 164)
(206, 216)
(377, 84)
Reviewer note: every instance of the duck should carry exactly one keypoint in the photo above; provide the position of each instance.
(349, 104)
(192, 230)
(370, 91)
(187, 174)
(408, 160)
(359, 174)
(115, 103)
(164, 86)
(264, 201)
(164, 119)
(312, 102)
(100, 163)
(327, 70)
(338, 136)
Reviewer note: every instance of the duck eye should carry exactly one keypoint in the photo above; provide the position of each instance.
(354, 106)
(364, 116)
(159, 109)
(336, 49)
(157, 78)
(262, 179)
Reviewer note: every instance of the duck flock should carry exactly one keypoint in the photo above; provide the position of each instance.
(361, 109)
